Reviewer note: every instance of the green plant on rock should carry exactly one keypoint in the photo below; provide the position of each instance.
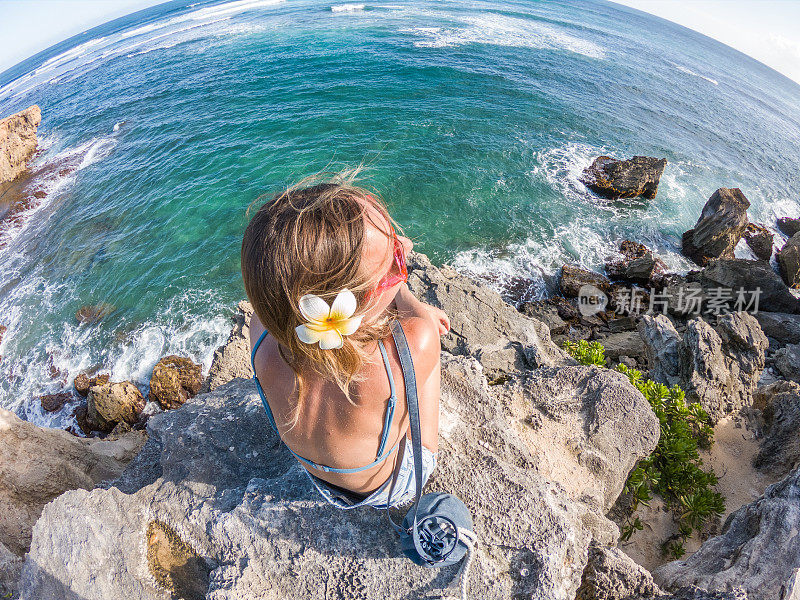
(674, 470)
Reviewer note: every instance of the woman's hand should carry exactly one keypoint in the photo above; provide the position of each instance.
(440, 317)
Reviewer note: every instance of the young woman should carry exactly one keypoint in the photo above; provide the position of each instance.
(325, 272)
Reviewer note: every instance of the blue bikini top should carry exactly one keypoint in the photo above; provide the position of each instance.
(386, 424)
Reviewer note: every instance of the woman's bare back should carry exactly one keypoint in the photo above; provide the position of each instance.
(332, 431)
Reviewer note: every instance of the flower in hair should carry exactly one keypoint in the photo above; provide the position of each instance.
(327, 324)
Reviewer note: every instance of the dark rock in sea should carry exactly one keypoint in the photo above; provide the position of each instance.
(114, 402)
(574, 278)
(94, 313)
(3, 330)
(636, 265)
(175, 379)
(759, 238)
(731, 275)
(612, 178)
(789, 261)
(779, 404)
(719, 228)
(39, 194)
(54, 402)
(788, 226)
(783, 328)
(18, 141)
(83, 382)
(757, 549)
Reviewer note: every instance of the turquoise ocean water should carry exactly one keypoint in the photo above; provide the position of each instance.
(475, 119)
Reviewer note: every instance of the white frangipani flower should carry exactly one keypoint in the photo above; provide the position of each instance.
(327, 324)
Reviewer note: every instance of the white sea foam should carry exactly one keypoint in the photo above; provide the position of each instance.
(688, 71)
(346, 7)
(502, 30)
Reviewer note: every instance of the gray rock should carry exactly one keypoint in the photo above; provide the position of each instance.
(787, 361)
(574, 278)
(779, 404)
(757, 549)
(612, 178)
(759, 238)
(10, 569)
(481, 323)
(611, 575)
(720, 369)
(750, 275)
(717, 368)
(661, 343)
(546, 313)
(719, 228)
(789, 261)
(238, 499)
(782, 327)
(232, 359)
(627, 343)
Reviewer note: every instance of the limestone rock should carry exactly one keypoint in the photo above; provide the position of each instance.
(789, 261)
(719, 228)
(731, 275)
(627, 343)
(215, 473)
(788, 226)
(175, 379)
(759, 238)
(114, 402)
(779, 403)
(717, 368)
(611, 575)
(18, 141)
(481, 323)
(547, 313)
(662, 345)
(757, 549)
(36, 465)
(10, 569)
(636, 264)
(612, 178)
(232, 359)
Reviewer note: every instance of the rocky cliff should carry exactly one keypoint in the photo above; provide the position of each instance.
(18, 141)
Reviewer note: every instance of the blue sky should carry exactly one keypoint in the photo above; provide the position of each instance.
(767, 30)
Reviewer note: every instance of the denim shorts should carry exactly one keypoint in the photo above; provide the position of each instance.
(404, 489)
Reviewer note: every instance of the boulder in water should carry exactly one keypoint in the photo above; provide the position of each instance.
(94, 313)
(759, 238)
(637, 264)
(574, 278)
(114, 402)
(83, 382)
(612, 178)
(175, 379)
(788, 226)
(54, 402)
(789, 261)
(719, 228)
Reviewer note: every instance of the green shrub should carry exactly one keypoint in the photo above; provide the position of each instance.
(674, 469)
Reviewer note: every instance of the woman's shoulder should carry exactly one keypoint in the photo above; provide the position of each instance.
(423, 339)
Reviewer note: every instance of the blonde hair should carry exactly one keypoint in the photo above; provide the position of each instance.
(309, 239)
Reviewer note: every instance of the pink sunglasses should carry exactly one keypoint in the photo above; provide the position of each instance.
(391, 278)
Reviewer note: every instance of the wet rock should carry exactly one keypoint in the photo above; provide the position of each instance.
(111, 403)
(759, 238)
(729, 276)
(637, 264)
(94, 313)
(719, 228)
(37, 464)
(175, 379)
(232, 359)
(757, 549)
(779, 404)
(789, 261)
(18, 141)
(83, 382)
(54, 402)
(574, 278)
(612, 178)
(788, 226)
(787, 361)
